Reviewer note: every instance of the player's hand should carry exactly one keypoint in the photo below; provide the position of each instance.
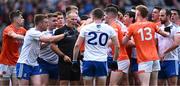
(162, 56)
(75, 66)
(67, 33)
(67, 58)
(113, 65)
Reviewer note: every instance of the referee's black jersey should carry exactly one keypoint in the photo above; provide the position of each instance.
(66, 45)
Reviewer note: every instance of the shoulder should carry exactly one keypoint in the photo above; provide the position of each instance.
(33, 31)
(23, 29)
(151, 23)
(175, 25)
(88, 27)
(8, 28)
(60, 30)
(133, 25)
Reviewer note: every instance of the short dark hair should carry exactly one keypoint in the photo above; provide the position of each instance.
(113, 5)
(14, 14)
(39, 18)
(84, 17)
(52, 15)
(178, 11)
(71, 7)
(143, 10)
(98, 13)
(168, 12)
(112, 10)
(131, 15)
(158, 8)
(58, 13)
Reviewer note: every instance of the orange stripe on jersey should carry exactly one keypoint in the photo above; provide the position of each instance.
(123, 54)
(143, 34)
(82, 47)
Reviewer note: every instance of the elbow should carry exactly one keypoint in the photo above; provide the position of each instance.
(76, 47)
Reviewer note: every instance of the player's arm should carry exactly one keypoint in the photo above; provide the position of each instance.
(174, 46)
(51, 39)
(117, 47)
(16, 36)
(130, 43)
(163, 33)
(55, 38)
(55, 48)
(125, 40)
(77, 46)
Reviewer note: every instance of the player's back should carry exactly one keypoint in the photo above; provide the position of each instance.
(144, 37)
(96, 37)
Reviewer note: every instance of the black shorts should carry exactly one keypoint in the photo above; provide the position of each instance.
(66, 72)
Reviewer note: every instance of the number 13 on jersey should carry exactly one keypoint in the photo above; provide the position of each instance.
(146, 33)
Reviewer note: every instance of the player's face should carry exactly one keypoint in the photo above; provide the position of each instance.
(52, 22)
(126, 19)
(60, 21)
(155, 14)
(162, 16)
(20, 20)
(44, 24)
(72, 20)
(108, 16)
(174, 16)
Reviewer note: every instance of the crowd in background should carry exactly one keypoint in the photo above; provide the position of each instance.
(31, 7)
(43, 14)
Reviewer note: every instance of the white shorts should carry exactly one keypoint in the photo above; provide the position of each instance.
(149, 66)
(124, 65)
(7, 71)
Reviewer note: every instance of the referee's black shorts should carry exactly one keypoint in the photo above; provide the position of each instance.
(66, 72)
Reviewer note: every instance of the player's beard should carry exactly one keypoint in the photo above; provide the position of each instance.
(163, 21)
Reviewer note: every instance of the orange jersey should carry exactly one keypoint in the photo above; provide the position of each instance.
(144, 37)
(10, 46)
(158, 23)
(123, 54)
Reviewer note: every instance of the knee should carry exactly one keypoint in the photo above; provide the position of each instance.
(173, 80)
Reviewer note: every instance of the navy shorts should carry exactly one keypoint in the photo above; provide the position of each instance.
(94, 68)
(24, 71)
(169, 68)
(51, 69)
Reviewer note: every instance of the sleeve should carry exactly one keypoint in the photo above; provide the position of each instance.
(24, 31)
(35, 35)
(7, 30)
(130, 31)
(59, 31)
(82, 32)
(156, 27)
